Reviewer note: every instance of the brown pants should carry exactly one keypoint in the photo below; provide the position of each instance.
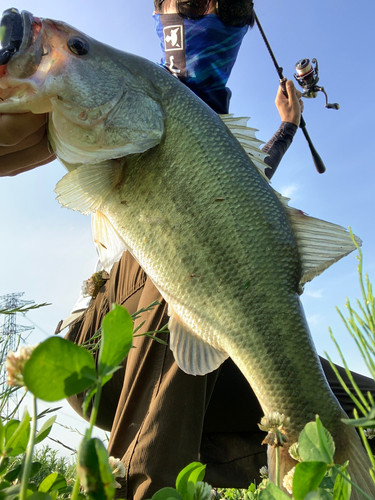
(160, 418)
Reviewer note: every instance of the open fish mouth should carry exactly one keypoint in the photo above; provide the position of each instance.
(18, 32)
(21, 50)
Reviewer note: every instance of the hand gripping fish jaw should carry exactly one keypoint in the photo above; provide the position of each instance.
(11, 34)
(307, 77)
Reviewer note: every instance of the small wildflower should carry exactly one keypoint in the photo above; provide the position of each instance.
(15, 363)
(92, 286)
(275, 424)
(118, 469)
(288, 481)
(369, 433)
(264, 473)
(293, 452)
(88, 288)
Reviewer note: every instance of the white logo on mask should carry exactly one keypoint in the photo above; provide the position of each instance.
(173, 39)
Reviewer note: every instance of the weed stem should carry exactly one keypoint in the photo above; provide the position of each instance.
(29, 454)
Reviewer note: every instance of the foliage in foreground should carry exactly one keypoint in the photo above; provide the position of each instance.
(57, 369)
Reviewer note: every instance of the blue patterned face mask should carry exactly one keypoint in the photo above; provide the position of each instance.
(201, 53)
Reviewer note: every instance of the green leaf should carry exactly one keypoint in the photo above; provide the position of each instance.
(4, 484)
(315, 443)
(12, 474)
(35, 468)
(1, 437)
(342, 489)
(12, 492)
(45, 429)
(325, 494)
(94, 470)
(272, 492)
(88, 397)
(53, 482)
(117, 336)
(166, 494)
(307, 477)
(48, 410)
(182, 481)
(58, 369)
(39, 495)
(202, 491)
(325, 441)
(3, 464)
(314, 495)
(367, 421)
(17, 435)
(360, 422)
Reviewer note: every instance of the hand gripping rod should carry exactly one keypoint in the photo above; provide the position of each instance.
(317, 159)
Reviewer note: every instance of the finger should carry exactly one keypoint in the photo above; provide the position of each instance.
(26, 159)
(14, 128)
(291, 89)
(30, 141)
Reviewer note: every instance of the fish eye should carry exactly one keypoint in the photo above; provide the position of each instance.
(78, 46)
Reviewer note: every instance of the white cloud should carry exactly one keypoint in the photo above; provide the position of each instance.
(315, 319)
(315, 294)
(288, 191)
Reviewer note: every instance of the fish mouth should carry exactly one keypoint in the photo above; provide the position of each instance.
(18, 31)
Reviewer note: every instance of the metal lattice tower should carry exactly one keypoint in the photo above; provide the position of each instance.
(10, 337)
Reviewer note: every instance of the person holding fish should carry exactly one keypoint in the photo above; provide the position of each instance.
(161, 418)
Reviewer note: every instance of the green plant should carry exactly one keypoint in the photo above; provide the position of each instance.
(361, 327)
(58, 368)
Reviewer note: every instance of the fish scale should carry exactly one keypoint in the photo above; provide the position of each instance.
(167, 180)
(228, 258)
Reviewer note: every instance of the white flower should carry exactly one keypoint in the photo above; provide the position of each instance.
(118, 469)
(88, 288)
(288, 481)
(275, 424)
(264, 473)
(369, 433)
(15, 363)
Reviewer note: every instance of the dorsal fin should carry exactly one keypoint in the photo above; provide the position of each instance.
(247, 138)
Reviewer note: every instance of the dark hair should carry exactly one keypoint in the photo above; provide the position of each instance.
(236, 13)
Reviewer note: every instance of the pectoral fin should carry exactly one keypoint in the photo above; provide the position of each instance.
(192, 355)
(85, 188)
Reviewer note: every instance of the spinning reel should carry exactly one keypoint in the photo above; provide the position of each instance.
(307, 77)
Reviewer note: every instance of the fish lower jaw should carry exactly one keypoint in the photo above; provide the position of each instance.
(19, 97)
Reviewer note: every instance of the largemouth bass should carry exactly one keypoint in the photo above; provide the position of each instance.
(167, 180)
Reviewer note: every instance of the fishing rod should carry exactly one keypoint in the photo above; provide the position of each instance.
(307, 77)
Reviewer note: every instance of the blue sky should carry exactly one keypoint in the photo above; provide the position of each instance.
(47, 251)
